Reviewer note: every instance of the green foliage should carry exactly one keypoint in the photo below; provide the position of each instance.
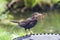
(51, 24)
(4, 35)
(2, 5)
(30, 3)
(2, 8)
(55, 1)
(3, 16)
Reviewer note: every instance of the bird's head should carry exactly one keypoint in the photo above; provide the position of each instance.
(38, 15)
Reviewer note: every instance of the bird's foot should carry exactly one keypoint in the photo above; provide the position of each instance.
(30, 33)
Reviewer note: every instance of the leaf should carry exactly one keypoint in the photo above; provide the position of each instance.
(3, 16)
(55, 1)
(30, 3)
(2, 5)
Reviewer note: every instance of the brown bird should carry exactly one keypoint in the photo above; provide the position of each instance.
(29, 22)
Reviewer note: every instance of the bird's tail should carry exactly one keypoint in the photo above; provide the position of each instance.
(15, 21)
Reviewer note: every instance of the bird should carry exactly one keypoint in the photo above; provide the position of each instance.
(29, 22)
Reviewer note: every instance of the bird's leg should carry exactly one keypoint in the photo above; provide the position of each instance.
(26, 32)
(30, 32)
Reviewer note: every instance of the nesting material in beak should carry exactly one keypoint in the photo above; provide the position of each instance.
(38, 15)
(41, 16)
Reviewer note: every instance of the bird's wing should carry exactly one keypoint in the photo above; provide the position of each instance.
(25, 22)
(33, 22)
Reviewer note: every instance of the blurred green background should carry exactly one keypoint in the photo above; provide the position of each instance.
(9, 30)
